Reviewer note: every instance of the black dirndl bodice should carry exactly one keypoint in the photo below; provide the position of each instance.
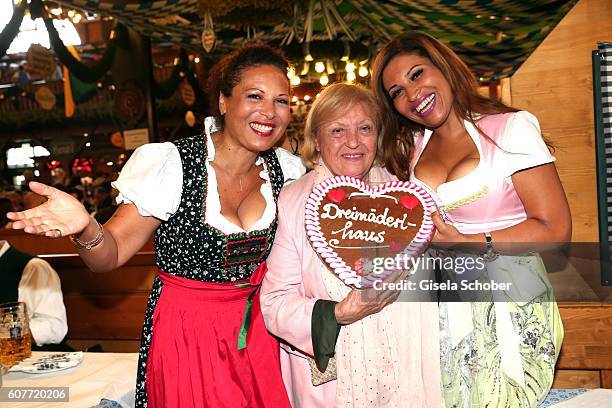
(186, 246)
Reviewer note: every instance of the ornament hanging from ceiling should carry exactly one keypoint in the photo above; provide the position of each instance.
(208, 34)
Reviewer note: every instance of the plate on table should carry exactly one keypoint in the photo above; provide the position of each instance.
(49, 363)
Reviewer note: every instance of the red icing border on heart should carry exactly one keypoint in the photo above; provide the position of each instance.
(346, 272)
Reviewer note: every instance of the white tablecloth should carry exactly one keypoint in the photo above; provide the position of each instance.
(597, 398)
(101, 375)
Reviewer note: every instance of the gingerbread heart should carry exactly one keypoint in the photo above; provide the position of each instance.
(354, 227)
(410, 202)
(337, 195)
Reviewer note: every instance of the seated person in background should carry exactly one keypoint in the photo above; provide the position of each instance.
(76, 193)
(14, 196)
(26, 278)
(105, 208)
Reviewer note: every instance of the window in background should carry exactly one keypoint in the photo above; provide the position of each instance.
(34, 31)
(23, 156)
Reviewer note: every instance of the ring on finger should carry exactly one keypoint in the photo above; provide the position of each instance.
(59, 231)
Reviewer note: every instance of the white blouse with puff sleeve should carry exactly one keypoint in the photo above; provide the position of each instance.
(152, 179)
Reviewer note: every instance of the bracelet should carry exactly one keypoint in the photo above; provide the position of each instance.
(490, 255)
(88, 245)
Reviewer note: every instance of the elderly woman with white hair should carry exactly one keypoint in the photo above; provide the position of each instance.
(342, 348)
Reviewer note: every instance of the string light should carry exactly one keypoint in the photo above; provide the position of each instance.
(347, 52)
(291, 72)
(295, 80)
(363, 71)
(324, 80)
(306, 98)
(350, 67)
(197, 60)
(319, 67)
(350, 76)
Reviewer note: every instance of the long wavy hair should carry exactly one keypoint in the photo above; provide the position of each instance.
(398, 138)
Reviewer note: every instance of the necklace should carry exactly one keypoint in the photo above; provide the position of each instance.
(242, 182)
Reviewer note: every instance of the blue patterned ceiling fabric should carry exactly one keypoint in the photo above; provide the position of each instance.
(493, 37)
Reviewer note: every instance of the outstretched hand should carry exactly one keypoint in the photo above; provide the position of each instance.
(60, 215)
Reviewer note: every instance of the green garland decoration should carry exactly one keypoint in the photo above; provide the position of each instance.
(84, 72)
(84, 114)
(165, 89)
(12, 95)
(12, 28)
(199, 95)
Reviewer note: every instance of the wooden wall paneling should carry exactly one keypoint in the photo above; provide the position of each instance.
(588, 336)
(577, 379)
(125, 280)
(555, 84)
(37, 245)
(606, 378)
(108, 316)
(108, 346)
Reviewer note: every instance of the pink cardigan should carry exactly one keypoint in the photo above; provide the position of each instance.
(289, 291)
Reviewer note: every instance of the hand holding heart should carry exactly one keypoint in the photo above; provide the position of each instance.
(446, 235)
(361, 303)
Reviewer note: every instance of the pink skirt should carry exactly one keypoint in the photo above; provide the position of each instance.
(194, 359)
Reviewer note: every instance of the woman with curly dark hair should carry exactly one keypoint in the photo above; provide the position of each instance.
(211, 202)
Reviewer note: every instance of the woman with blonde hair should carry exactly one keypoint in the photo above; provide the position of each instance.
(343, 347)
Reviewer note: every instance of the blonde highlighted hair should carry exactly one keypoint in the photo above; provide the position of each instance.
(334, 102)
